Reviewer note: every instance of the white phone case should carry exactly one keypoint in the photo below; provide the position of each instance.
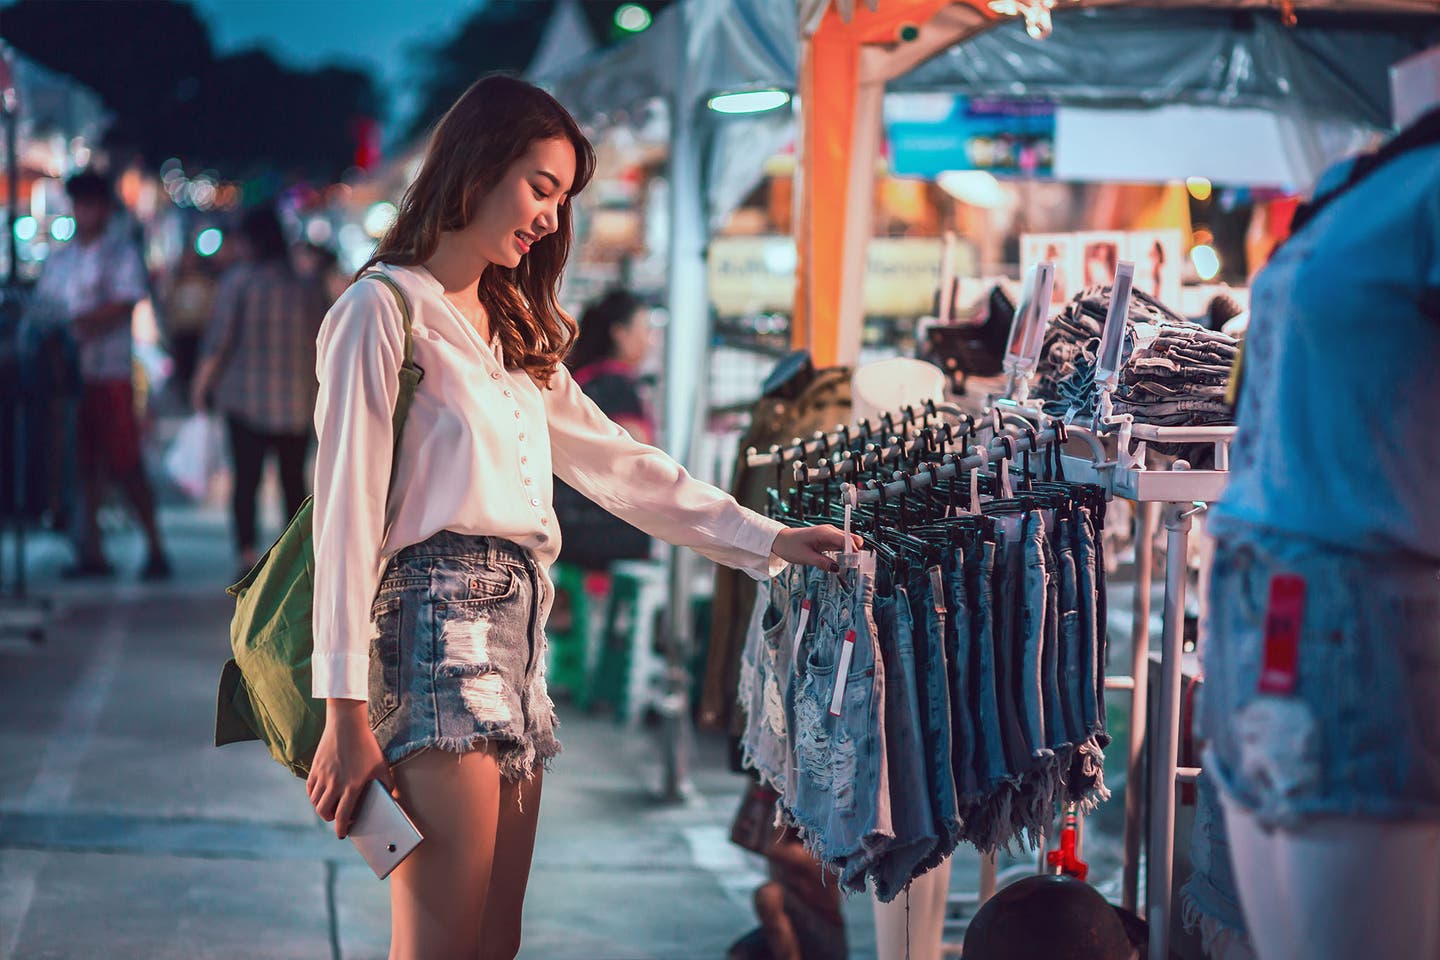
(382, 832)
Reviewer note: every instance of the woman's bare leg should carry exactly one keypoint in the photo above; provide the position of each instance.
(514, 848)
(438, 895)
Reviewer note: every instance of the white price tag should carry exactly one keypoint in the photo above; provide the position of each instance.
(849, 544)
(799, 631)
(842, 673)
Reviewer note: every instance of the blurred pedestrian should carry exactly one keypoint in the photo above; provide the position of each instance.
(258, 369)
(321, 264)
(431, 591)
(605, 361)
(97, 279)
(189, 302)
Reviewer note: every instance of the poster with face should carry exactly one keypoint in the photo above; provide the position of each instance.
(1100, 254)
(1059, 249)
(1156, 255)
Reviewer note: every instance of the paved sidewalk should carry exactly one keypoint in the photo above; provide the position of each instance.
(125, 834)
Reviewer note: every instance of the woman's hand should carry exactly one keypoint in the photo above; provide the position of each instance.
(808, 545)
(346, 760)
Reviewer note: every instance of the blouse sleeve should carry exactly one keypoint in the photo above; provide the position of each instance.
(358, 356)
(647, 488)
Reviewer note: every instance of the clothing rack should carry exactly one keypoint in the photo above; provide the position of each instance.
(1001, 448)
(1111, 464)
(1182, 493)
(899, 423)
(876, 454)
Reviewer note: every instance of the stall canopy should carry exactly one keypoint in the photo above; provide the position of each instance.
(53, 110)
(727, 45)
(1325, 72)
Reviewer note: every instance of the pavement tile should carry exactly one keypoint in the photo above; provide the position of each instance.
(171, 908)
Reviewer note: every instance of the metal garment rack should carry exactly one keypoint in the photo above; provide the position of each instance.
(1181, 493)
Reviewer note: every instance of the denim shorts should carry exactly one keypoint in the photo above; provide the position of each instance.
(457, 653)
(765, 668)
(911, 813)
(1368, 678)
(930, 614)
(841, 792)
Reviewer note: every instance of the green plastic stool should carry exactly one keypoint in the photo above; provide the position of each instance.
(628, 669)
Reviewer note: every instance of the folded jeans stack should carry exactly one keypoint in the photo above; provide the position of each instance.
(1172, 373)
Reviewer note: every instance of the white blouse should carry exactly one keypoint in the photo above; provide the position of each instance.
(480, 445)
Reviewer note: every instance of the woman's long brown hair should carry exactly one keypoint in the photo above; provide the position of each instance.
(491, 126)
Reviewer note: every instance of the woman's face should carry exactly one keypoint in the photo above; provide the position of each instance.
(632, 339)
(524, 207)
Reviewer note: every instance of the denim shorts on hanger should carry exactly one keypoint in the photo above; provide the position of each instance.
(765, 669)
(457, 654)
(841, 805)
(930, 613)
(911, 814)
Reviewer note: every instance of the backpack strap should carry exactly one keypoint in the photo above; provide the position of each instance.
(411, 373)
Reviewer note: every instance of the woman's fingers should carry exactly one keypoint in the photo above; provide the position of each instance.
(326, 803)
(345, 813)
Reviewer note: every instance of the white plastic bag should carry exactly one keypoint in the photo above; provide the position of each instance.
(196, 455)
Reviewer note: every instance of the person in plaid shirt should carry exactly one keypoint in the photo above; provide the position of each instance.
(258, 369)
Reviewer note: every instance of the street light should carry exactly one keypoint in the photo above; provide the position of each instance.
(748, 101)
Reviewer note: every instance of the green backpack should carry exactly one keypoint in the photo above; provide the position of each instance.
(265, 689)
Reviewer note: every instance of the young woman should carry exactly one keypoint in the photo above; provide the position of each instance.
(430, 608)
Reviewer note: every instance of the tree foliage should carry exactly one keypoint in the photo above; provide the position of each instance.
(153, 64)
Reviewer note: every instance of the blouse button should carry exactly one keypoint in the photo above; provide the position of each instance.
(524, 460)
(509, 394)
(535, 501)
(517, 414)
(522, 438)
(544, 521)
(494, 375)
(528, 481)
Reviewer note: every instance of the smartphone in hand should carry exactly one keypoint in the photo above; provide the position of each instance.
(382, 831)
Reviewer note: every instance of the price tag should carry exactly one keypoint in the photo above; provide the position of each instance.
(1283, 620)
(799, 630)
(842, 673)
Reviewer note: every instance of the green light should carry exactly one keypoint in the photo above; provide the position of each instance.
(632, 18)
(749, 101)
(209, 241)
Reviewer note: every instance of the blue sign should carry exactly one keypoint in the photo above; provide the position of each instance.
(1002, 136)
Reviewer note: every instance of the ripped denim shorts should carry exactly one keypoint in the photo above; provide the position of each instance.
(1362, 738)
(840, 762)
(457, 653)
